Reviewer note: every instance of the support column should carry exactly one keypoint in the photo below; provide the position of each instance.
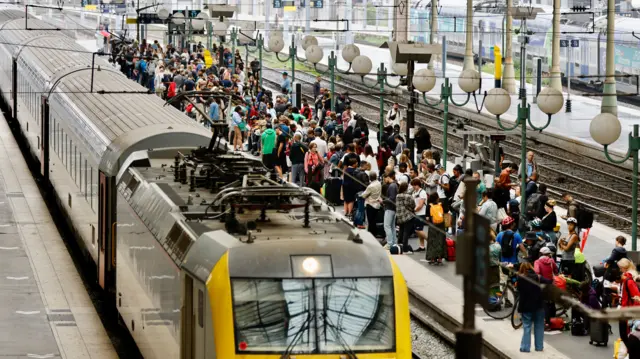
(307, 15)
(468, 52)
(267, 15)
(401, 20)
(434, 30)
(509, 73)
(556, 80)
(609, 100)
(349, 16)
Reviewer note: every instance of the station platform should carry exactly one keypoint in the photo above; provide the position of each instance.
(46, 311)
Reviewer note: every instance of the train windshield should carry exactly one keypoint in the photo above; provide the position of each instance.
(314, 315)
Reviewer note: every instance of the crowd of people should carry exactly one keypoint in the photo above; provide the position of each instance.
(382, 187)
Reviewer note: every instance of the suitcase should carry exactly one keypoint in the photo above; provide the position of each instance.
(578, 328)
(598, 270)
(599, 332)
(332, 190)
(451, 250)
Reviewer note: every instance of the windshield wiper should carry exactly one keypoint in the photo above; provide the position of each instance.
(350, 353)
(296, 338)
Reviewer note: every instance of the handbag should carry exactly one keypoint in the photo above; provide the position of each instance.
(448, 220)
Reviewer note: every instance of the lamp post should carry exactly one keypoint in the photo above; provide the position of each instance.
(609, 100)
(350, 53)
(410, 54)
(425, 81)
(276, 44)
(605, 129)
(498, 101)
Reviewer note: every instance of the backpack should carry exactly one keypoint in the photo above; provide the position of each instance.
(514, 208)
(507, 244)
(453, 186)
(171, 92)
(437, 213)
(151, 68)
(533, 204)
(584, 217)
(395, 249)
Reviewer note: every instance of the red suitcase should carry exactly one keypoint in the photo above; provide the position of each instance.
(451, 250)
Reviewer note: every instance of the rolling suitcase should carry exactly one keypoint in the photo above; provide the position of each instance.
(332, 190)
(451, 250)
(599, 332)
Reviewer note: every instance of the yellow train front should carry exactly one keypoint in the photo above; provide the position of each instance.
(236, 265)
(285, 290)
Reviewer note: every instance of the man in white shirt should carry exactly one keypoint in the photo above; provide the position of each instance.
(322, 144)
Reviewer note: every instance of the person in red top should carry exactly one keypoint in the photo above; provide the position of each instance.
(630, 295)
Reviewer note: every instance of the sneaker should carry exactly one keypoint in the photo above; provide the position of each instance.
(420, 249)
(386, 246)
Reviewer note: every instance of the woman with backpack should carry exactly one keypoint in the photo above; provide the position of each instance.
(568, 246)
(436, 244)
(405, 206)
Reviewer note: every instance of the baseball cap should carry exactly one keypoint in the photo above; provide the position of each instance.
(545, 250)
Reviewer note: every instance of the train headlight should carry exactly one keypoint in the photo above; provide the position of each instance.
(311, 266)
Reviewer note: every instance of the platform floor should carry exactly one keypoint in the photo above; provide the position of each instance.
(45, 310)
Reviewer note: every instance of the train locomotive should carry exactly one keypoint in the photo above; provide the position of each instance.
(204, 254)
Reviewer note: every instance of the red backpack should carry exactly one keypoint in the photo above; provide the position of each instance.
(171, 91)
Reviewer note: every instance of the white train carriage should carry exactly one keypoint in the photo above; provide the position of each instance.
(587, 60)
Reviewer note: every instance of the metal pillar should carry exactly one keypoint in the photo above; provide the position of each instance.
(434, 30)
(444, 56)
(609, 100)
(509, 73)
(468, 52)
(634, 148)
(556, 81)
(260, 44)
(307, 21)
(333, 61)
(267, 15)
(381, 78)
(401, 20)
(233, 51)
(411, 110)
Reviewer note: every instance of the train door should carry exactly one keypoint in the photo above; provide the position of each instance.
(107, 230)
(44, 135)
(194, 320)
(199, 320)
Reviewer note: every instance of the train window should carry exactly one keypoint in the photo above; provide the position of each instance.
(132, 185)
(174, 234)
(314, 315)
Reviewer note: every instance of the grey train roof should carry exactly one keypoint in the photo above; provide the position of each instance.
(117, 124)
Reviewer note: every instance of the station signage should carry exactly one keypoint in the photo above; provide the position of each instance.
(314, 4)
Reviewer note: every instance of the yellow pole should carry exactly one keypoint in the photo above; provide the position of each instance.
(497, 61)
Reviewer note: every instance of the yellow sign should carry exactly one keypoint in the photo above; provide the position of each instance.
(497, 56)
(289, 8)
(208, 60)
(132, 20)
(91, 7)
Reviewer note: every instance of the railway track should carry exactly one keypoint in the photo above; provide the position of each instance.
(603, 187)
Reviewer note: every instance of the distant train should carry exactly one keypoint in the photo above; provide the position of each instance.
(204, 255)
(588, 59)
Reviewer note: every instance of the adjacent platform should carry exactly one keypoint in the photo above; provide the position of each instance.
(46, 311)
